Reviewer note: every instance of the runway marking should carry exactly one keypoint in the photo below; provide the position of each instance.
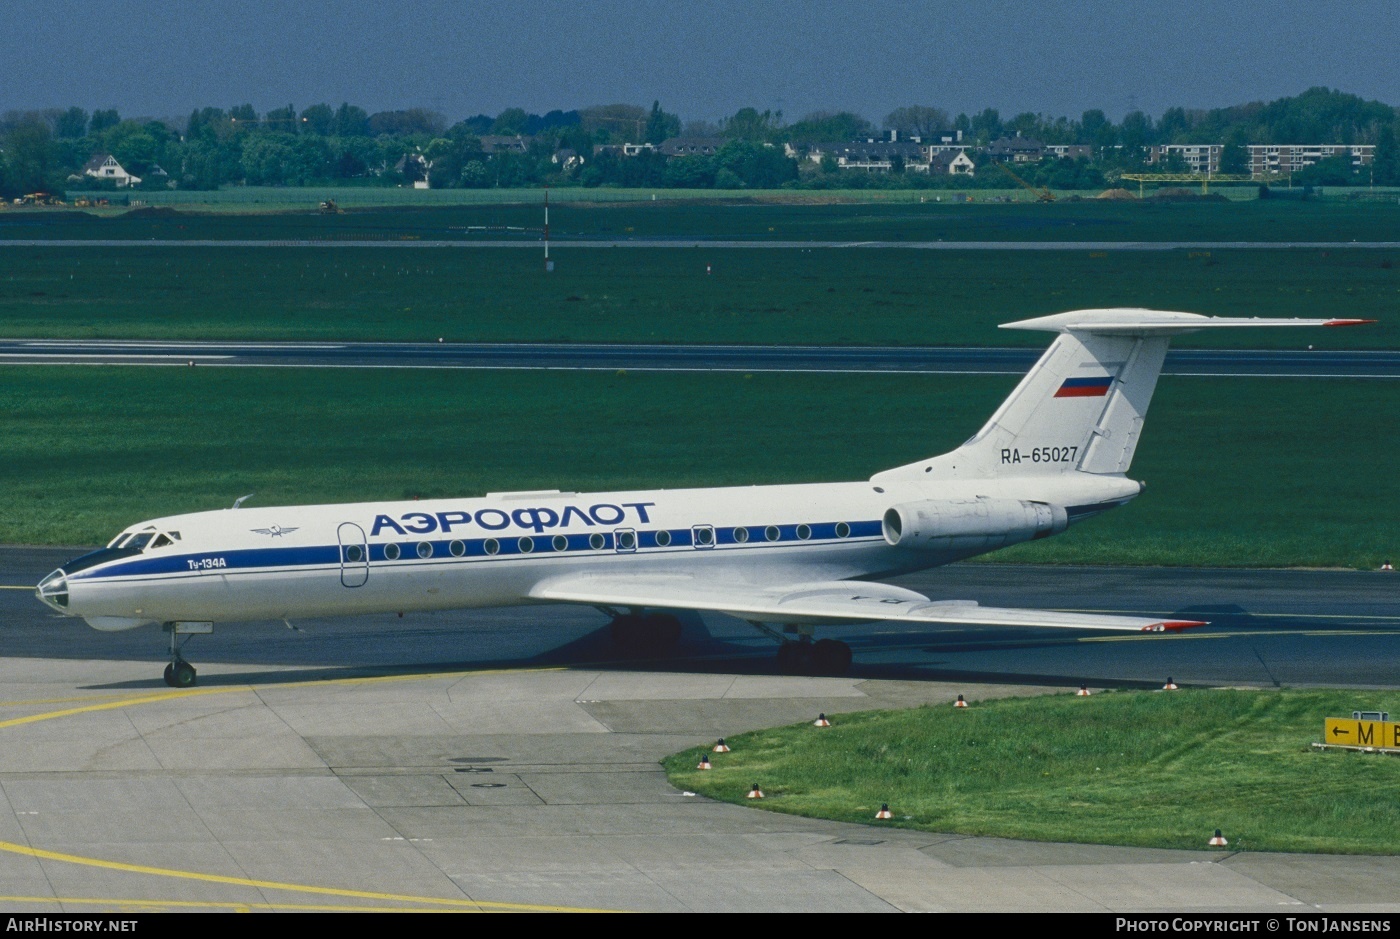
(435, 904)
(201, 692)
(438, 902)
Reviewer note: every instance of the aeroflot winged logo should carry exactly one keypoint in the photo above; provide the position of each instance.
(276, 531)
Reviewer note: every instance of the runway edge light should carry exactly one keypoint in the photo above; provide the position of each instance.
(1219, 840)
(821, 721)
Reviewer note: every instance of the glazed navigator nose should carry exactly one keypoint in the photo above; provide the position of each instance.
(53, 590)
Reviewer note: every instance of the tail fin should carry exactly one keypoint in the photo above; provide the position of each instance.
(1082, 406)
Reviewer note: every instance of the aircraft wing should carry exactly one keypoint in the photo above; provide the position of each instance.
(830, 601)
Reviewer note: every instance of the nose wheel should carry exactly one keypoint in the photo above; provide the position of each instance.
(179, 673)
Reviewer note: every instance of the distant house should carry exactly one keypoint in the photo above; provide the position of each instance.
(872, 156)
(414, 169)
(105, 166)
(1070, 151)
(1199, 158)
(1016, 150)
(567, 159)
(501, 143)
(956, 163)
(690, 146)
(1271, 159)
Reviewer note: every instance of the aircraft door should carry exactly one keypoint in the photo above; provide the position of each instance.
(354, 555)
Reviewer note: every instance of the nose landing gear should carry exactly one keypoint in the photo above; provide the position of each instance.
(179, 673)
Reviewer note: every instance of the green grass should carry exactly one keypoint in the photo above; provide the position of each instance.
(733, 216)
(1241, 472)
(1140, 768)
(847, 297)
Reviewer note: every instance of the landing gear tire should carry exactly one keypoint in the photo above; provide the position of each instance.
(180, 674)
(795, 658)
(830, 657)
(639, 636)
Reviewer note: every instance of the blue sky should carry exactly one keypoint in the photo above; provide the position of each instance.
(702, 60)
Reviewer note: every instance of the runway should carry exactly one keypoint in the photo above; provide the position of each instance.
(535, 243)
(503, 760)
(1299, 363)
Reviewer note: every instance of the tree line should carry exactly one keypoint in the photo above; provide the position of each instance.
(346, 145)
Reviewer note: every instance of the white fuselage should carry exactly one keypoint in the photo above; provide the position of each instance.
(307, 561)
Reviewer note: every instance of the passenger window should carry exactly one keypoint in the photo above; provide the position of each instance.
(597, 542)
(804, 532)
(703, 536)
(772, 533)
(843, 530)
(391, 552)
(425, 549)
(457, 548)
(560, 543)
(663, 538)
(526, 545)
(741, 535)
(491, 546)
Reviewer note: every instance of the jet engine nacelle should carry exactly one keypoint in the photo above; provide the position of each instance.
(971, 524)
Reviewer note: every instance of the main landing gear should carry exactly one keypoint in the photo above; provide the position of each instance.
(802, 656)
(805, 657)
(179, 673)
(644, 635)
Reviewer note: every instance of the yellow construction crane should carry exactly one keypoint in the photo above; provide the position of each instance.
(1041, 193)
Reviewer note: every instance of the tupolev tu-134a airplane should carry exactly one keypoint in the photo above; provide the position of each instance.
(787, 556)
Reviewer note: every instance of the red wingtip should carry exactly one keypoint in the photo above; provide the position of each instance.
(1347, 322)
(1173, 626)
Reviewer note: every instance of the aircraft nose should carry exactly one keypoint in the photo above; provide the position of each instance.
(53, 590)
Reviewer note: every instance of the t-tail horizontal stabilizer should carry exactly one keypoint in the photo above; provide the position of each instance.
(1082, 406)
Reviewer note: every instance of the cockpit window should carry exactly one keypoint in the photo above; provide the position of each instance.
(135, 540)
(161, 541)
(138, 541)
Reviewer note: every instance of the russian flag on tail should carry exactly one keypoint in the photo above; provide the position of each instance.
(1095, 387)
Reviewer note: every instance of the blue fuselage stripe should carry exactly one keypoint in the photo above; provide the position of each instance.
(451, 549)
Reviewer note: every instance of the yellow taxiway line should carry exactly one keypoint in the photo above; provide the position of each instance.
(157, 697)
(424, 904)
(436, 902)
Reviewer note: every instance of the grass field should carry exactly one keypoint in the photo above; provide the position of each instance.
(676, 217)
(1140, 768)
(1241, 472)
(851, 296)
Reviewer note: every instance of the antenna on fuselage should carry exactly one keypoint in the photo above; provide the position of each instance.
(242, 499)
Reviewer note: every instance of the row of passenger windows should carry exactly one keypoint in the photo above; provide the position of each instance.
(703, 537)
